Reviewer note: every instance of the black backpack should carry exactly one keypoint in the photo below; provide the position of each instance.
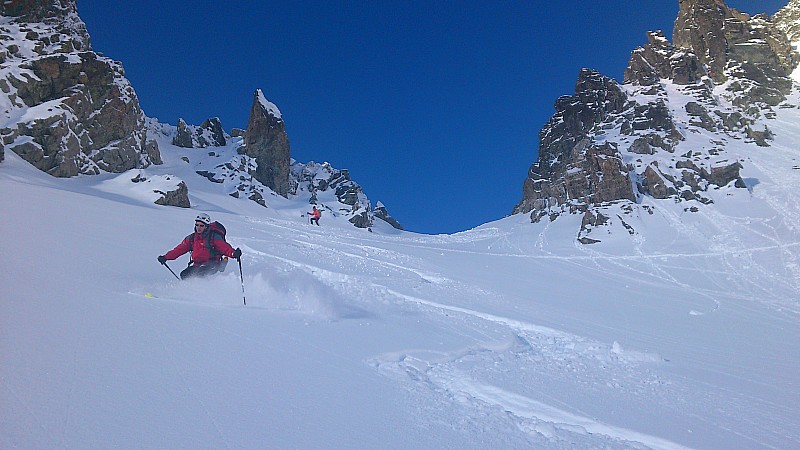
(218, 229)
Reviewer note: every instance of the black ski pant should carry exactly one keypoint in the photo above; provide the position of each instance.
(200, 270)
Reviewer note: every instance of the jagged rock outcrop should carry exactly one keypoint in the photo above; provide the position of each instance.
(38, 10)
(570, 166)
(656, 183)
(178, 197)
(79, 114)
(788, 20)
(723, 175)
(211, 133)
(699, 27)
(183, 135)
(381, 213)
(609, 144)
(266, 140)
(208, 134)
(82, 117)
(732, 44)
(658, 60)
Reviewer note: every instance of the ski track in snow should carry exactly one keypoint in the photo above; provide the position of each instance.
(441, 373)
(529, 409)
(536, 345)
(475, 375)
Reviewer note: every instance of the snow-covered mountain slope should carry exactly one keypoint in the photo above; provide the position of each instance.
(224, 170)
(69, 110)
(510, 335)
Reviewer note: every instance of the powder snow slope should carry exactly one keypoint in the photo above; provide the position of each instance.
(509, 335)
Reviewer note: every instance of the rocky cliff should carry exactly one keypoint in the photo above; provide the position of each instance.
(66, 109)
(661, 134)
(788, 21)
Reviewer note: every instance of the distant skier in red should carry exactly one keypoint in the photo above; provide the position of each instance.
(315, 214)
(207, 245)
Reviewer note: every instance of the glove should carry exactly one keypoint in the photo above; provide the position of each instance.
(162, 259)
(237, 253)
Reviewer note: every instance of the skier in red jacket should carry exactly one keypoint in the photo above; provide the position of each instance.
(315, 215)
(207, 247)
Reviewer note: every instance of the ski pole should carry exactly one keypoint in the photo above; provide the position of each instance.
(165, 265)
(241, 276)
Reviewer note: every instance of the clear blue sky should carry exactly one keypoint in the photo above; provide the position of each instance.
(434, 106)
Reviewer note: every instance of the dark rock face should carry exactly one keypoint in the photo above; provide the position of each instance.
(87, 117)
(656, 183)
(603, 177)
(723, 175)
(266, 141)
(595, 98)
(183, 138)
(699, 28)
(593, 174)
(568, 163)
(732, 44)
(212, 134)
(208, 134)
(659, 60)
(346, 191)
(179, 197)
(361, 220)
(38, 10)
(590, 221)
(383, 214)
(700, 117)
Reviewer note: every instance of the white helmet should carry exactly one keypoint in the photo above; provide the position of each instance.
(203, 217)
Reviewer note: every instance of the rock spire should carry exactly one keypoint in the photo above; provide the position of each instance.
(266, 140)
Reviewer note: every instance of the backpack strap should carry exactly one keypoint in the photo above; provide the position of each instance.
(190, 238)
(215, 254)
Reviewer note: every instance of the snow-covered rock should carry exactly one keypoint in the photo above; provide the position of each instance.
(208, 134)
(64, 108)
